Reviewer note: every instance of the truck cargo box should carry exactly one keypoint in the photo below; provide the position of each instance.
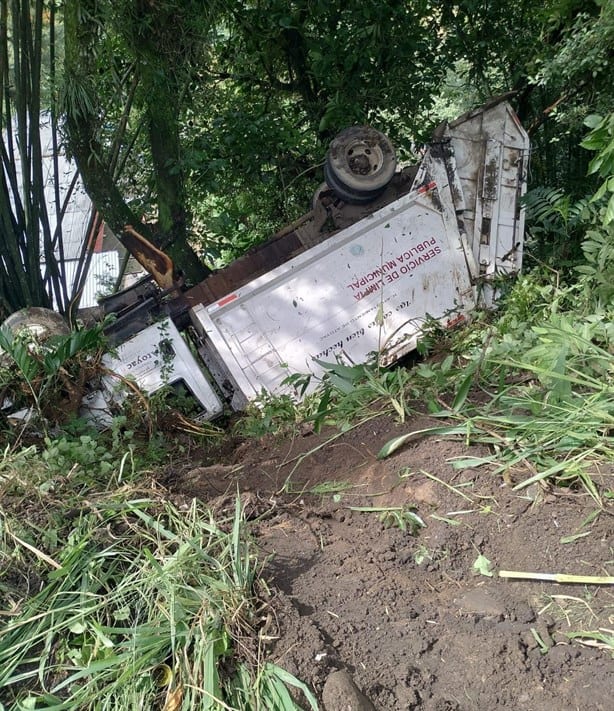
(366, 291)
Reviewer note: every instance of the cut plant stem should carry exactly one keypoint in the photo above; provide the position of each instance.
(38, 553)
(559, 577)
(454, 489)
(544, 649)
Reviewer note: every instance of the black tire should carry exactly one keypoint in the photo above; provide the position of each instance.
(359, 164)
(352, 197)
(322, 188)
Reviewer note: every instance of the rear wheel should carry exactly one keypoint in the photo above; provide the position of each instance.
(41, 323)
(359, 164)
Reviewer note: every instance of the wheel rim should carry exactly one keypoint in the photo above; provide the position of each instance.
(41, 323)
(361, 159)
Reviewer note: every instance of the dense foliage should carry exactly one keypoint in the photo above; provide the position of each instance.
(32, 271)
(207, 126)
(258, 90)
(284, 79)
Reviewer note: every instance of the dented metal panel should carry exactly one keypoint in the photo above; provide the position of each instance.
(491, 152)
(156, 357)
(328, 216)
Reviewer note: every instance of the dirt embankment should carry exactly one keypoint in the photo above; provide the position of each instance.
(407, 614)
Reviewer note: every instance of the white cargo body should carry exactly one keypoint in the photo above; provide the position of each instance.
(365, 290)
(489, 161)
(368, 290)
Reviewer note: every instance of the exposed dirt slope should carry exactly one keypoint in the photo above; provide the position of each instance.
(407, 615)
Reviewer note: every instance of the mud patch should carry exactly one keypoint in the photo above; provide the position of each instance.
(406, 614)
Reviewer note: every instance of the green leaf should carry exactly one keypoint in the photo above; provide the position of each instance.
(349, 372)
(483, 566)
(593, 120)
(211, 677)
(291, 680)
(394, 444)
(470, 462)
(574, 537)
(447, 364)
(397, 442)
(601, 191)
(77, 627)
(462, 392)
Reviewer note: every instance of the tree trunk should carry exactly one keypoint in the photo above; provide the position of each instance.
(83, 112)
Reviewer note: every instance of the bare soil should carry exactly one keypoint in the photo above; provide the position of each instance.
(406, 613)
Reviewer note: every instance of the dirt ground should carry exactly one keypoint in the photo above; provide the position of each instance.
(406, 613)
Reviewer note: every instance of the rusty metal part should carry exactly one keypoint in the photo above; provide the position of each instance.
(361, 159)
(153, 260)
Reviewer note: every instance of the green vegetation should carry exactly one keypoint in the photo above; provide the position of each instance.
(46, 378)
(118, 598)
(544, 377)
(209, 130)
(402, 517)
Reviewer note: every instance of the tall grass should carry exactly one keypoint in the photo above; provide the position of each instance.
(544, 374)
(150, 607)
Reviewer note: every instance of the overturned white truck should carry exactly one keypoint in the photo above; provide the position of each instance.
(382, 252)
